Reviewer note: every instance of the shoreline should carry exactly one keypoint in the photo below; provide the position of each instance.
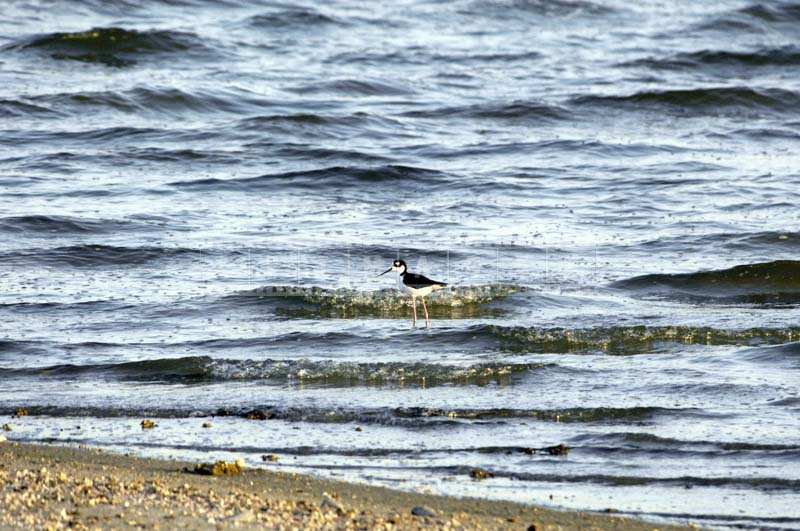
(54, 487)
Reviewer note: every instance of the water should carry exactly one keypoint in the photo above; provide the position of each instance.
(196, 196)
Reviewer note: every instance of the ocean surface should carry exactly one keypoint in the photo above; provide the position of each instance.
(196, 197)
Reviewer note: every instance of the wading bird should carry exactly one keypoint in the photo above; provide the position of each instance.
(418, 286)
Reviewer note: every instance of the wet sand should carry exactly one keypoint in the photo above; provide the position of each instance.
(55, 487)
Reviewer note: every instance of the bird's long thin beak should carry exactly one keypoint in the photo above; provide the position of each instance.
(385, 271)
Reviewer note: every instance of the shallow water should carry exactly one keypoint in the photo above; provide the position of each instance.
(196, 196)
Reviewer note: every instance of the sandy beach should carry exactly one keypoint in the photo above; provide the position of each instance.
(54, 487)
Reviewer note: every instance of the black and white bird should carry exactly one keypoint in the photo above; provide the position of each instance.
(418, 285)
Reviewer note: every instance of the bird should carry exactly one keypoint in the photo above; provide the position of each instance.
(418, 286)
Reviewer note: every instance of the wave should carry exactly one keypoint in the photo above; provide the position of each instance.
(514, 111)
(401, 416)
(624, 441)
(33, 307)
(604, 149)
(621, 340)
(775, 354)
(354, 87)
(760, 283)
(767, 241)
(590, 148)
(40, 224)
(318, 124)
(112, 46)
(710, 99)
(451, 301)
(630, 339)
(292, 18)
(685, 481)
(368, 451)
(767, 134)
(327, 372)
(779, 451)
(777, 56)
(421, 56)
(341, 176)
(306, 152)
(17, 108)
(50, 136)
(93, 255)
(759, 18)
(167, 155)
(545, 8)
(157, 100)
(773, 12)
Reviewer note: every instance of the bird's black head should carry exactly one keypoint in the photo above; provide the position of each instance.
(397, 265)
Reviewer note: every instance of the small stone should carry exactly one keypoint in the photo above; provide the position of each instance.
(269, 458)
(421, 510)
(220, 468)
(3, 438)
(147, 424)
(359, 428)
(560, 449)
(6, 427)
(206, 424)
(21, 412)
(330, 504)
(258, 414)
(480, 473)
(245, 517)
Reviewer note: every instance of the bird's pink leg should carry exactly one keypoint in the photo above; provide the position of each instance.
(427, 319)
(414, 307)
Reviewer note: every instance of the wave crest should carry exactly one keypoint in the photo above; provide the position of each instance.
(452, 301)
(760, 283)
(631, 339)
(112, 46)
(694, 100)
(324, 372)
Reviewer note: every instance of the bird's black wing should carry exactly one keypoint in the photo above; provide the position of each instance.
(412, 280)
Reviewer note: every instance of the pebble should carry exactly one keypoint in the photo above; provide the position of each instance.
(421, 510)
(560, 449)
(220, 468)
(329, 503)
(480, 473)
(245, 517)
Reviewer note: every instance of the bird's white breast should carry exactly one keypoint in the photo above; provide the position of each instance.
(422, 292)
